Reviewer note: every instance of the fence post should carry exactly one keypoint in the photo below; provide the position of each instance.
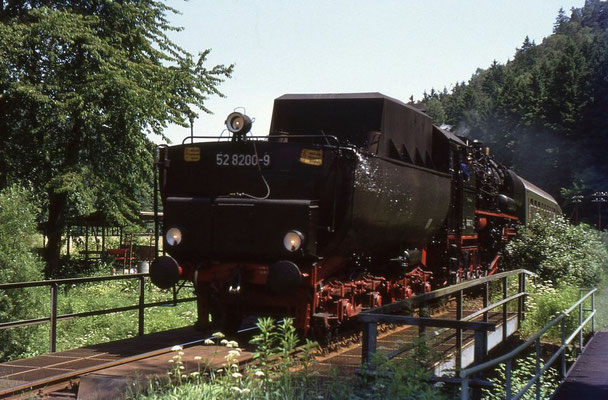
(53, 319)
(458, 331)
(505, 316)
(370, 332)
(142, 304)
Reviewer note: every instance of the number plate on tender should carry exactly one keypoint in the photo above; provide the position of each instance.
(242, 160)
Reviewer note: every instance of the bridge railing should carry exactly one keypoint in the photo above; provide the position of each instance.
(385, 314)
(54, 317)
(467, 374)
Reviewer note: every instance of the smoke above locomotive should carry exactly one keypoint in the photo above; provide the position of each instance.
(351, 201)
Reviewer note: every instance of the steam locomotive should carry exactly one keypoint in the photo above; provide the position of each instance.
(351, 201)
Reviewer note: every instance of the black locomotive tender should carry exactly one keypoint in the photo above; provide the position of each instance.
(351, 201)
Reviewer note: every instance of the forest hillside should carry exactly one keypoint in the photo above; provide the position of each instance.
(545, 112)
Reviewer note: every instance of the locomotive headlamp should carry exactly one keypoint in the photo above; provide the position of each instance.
(173, 236)
(293, 241)
(238, 123)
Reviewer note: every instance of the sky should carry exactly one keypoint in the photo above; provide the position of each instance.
(396, 47)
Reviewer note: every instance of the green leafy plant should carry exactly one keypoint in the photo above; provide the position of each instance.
(278, 374)
(560, 252)
(522, 372)
(18, 263)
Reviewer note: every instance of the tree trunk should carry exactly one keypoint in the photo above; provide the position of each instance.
(55, 227)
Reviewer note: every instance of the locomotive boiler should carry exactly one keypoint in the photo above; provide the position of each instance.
(350, 201)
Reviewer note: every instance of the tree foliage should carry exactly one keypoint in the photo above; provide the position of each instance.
(82, 83)
(543, 112)
(560, 252)
(18, 263)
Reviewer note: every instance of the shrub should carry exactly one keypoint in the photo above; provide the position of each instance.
(544, 303)
(524, 370)
(560, 252)
(19, 263)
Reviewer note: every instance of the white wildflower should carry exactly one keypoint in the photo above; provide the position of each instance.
(234, 353)
(224, 341)
(176, 348)
(171, 361)
(209, 342)
(245, 391)
(259, 373)
(182, 367)
(197, 358)
(218, 335)
(237, 375)
(181, 353)
(193, 374)
(236, 389)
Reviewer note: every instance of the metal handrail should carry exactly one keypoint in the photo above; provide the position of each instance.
(266, 137)
(452, 289)
(53, 318)
(508, 358)
(370, 318)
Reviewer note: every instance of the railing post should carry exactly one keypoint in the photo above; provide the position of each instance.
(580, 323)
(422, 312)
(593, 310)
(140, 330)
(537, 369)
(563, 356)
(480, 346)
(458, 331)
(369, 340)
(521, 309)
(53, 320)
(486, 299)
(480, 352)
(508, 382)
(464, 388)
(505, 316)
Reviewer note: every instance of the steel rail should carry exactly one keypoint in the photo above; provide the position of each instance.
(39, 383)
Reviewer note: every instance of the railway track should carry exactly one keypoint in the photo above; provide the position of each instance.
(51, 382)
(113, 378)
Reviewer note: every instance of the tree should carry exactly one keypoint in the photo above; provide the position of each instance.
(81, 85)
(18, 263)
(560, 21)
